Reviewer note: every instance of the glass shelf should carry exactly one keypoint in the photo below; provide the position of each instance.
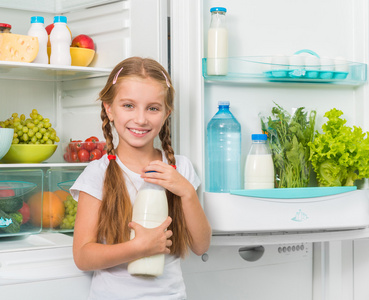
(42, 72)
(258, 69)
(55, 6)
(43, 165)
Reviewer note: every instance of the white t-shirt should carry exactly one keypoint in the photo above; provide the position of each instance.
(116, 283)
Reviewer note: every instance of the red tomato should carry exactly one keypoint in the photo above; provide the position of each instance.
(75, 145)
(95, 154)
(71, 156)
(89, 146)
(92, 139)
(5, 192)
(101, 146)
(103, 152)
(83, 155)
(25, 211)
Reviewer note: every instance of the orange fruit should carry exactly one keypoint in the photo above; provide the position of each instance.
(61, 194)
(47, 207)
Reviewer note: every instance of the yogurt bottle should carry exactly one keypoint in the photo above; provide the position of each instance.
(38, 30)
(150, 210)
(259, 169)
(60, 40)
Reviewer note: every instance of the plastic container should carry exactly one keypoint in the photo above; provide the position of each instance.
(223, 151)
(78, 151)
(17, 188)
(217, 42)
(60, 40)
(59, 181)
(38, 30)
(150, 210)
(259, 168)
(5, 28)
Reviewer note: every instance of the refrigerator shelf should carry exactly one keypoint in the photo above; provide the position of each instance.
(43, 165)
(258, 69)
(42, 72)
(235, 214)
(56, 7)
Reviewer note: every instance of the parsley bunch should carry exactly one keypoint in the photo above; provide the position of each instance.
(289, 136)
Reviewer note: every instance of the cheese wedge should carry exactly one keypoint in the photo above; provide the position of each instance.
(16, 47)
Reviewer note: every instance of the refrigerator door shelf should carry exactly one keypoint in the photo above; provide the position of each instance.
(232, 214)
(259, 69)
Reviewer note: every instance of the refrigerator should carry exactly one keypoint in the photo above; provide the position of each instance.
(253, 254)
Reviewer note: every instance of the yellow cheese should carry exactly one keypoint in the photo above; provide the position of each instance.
(16, 47)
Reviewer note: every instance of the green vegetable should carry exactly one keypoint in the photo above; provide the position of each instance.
(288, 137)
(339, 155)
(9, 223)
(9, 205)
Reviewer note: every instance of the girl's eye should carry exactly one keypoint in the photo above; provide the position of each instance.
(128, 105)
(153, 108)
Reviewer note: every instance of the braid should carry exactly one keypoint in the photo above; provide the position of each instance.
(107, 130)
(181, 237)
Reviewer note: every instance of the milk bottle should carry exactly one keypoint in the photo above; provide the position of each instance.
(149, 210)
(259, 169)
(60, 40)
(217, 60)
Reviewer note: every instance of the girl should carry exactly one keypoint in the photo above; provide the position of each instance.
(137, 101)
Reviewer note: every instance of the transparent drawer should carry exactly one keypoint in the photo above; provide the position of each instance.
(20, 209)
(60, 208)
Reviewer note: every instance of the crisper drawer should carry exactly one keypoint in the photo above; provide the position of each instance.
(60, 210)
(19, 211)
(231, 213)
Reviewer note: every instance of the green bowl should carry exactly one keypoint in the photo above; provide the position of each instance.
(29, 153)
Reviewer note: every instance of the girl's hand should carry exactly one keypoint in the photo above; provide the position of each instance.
(166, 176)
(153, 241)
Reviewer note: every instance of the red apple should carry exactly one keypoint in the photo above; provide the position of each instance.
(83, 41)
(48, 30)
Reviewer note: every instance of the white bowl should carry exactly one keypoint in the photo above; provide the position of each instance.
(6, 138)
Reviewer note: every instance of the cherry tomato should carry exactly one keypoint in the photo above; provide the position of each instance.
(101, 146)
(95, 154)
(75, 145)
(92, 139)
(83, 155)
(103, 152)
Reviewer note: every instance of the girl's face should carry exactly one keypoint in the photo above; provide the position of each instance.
(138, 111)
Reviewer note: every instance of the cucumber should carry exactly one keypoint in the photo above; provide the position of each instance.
(9, 205)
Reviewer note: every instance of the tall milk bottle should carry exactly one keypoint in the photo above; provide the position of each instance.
(259, 169)
(60, 40)
(223, 151)
(150, 210)
(38, 30)
(217, 60)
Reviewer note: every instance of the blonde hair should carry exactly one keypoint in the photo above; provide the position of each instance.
(116, 208)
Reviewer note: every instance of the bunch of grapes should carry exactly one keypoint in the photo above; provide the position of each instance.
(70, 213)
(34, 130)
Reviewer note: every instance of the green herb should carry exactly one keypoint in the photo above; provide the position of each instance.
(339, 155)
(288, 137)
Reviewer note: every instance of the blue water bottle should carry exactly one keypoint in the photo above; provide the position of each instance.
(223, 151)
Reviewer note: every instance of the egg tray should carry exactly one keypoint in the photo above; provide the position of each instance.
(305, 74)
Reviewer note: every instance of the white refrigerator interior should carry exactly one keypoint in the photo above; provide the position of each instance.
(239, 264)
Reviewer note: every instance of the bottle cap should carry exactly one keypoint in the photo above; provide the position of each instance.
(60, 19)
(259, 137)
(218, 9)
(223, 103)
(37, 19)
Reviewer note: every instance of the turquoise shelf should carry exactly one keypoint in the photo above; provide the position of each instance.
(295, 193)
(258, 69)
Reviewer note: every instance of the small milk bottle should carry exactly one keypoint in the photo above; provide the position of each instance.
(38, 30)
(60, 40)
(150, 210)
(259, 169)
(217, 60)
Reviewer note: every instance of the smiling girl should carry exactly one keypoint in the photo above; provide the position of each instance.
(137, 101)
